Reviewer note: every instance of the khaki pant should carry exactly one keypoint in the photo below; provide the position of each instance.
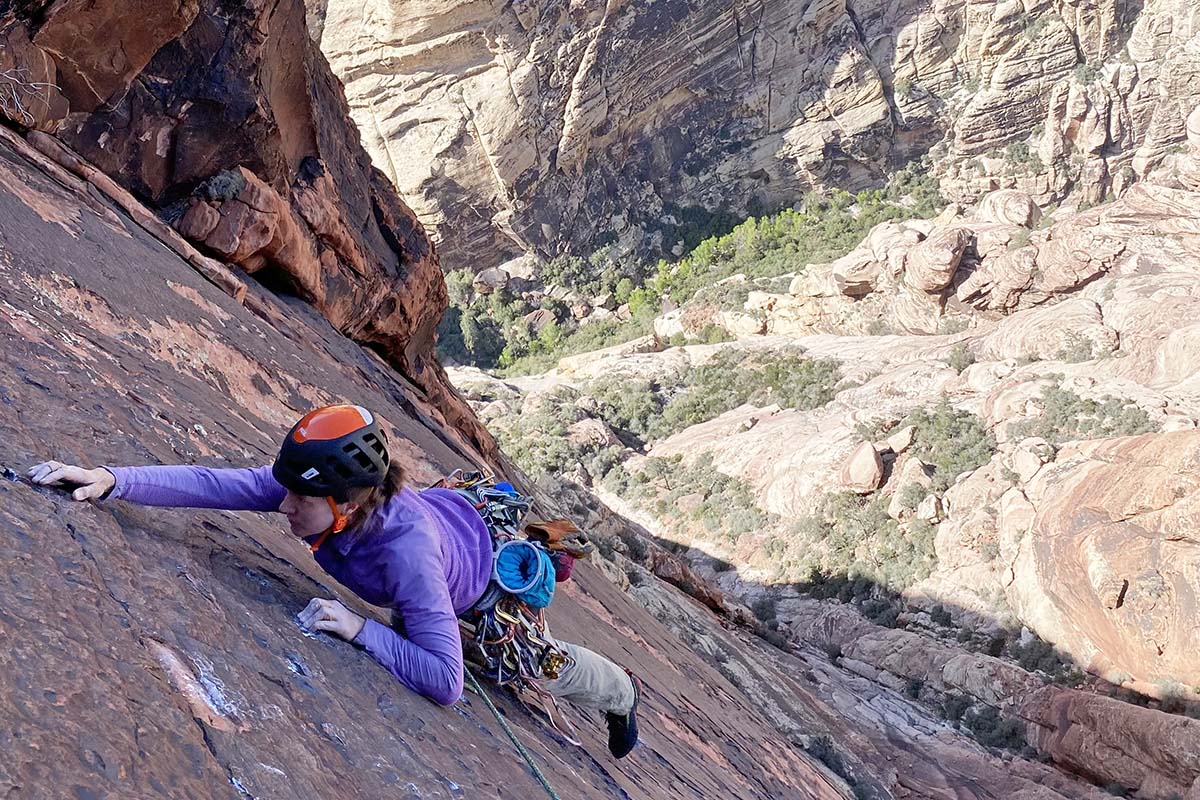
(592, 682)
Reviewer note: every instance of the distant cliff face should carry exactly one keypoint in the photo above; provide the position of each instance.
(511, 127)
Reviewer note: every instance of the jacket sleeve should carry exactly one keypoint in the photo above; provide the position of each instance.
(198, 487)
(428, 657)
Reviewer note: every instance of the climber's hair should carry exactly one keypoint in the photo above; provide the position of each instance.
(369, 499)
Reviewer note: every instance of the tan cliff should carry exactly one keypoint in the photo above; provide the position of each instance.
(552, 126)
(1087, 542)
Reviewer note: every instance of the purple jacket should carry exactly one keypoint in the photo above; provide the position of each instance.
(427, 555)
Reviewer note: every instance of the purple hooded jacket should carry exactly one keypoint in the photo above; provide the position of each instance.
(427, 555)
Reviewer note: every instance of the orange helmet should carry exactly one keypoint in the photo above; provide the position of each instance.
(332, 450)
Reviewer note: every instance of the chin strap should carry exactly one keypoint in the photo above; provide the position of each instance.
(339, 525)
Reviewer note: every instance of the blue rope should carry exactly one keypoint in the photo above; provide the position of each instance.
(537, 773)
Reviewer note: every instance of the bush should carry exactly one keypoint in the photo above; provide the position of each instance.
(1020, 156)
(912, 689)
(955, 706)
(993, 730)
(941, 616)
(854, 535)
(765, 609)
(727, 509)
(1066, 417)
(960, 358)
(1076, 349)
(951, 441)
(731, 379)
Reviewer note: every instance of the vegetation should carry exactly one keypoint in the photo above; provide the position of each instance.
(731, 379)
(1020, 156)
(1076, 348)
(993, 730)
(642, 411)
(1067, 417)
(951, 441)
(695, 494)
(960, 357)
(853, 537)
(491, 331)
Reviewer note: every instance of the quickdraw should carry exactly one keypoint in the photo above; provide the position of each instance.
(508, 641)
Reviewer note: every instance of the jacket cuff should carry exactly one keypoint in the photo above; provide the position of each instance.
(122, 480)
(371, 635)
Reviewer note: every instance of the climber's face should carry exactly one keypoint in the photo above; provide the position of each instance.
(308, 516)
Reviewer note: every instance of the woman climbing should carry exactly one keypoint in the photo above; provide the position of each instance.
(426, 555)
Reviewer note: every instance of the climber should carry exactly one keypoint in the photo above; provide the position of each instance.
(427, 555)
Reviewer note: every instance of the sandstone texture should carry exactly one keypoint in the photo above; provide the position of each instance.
(153, 653)
(542, 127)
(1086, 540)
(225, 119)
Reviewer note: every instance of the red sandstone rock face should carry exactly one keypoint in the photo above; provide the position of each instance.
(153, 653)
(1108, 566)
(175, 94)
(1106, 739)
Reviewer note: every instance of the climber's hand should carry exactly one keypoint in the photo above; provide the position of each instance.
(90, 484)
(332, 617)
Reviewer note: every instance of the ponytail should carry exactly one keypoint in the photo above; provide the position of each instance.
(369, 499)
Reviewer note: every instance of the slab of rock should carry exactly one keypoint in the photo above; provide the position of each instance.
(931, 265)
(139, 81)
(862, 472)
(196, 682)
(901, 440)
(490, 280)
(1008, 207)
(1120, 510)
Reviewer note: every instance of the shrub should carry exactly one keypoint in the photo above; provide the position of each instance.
(912, 495)
(854, 535)
(1020, 156)
(765, 609)
(1066, 416)
(941, 616)
(1076, 348)
(951, 441)
(629, 406)
(731, 379)
(993, 730)
(728, 508)
(955, 706)
(960, 357)
(912, 689)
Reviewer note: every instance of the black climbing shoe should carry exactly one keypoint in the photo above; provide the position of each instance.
(622, 728)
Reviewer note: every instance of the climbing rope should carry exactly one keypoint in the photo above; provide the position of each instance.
(537, 773)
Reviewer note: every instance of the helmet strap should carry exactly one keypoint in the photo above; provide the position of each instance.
(339, 524)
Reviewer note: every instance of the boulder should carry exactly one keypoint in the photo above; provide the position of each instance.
(539, 319)
(901, 440)
(490, 280)
(592, 433)
(855, 273)
(930, 509)
(862, 472)
(931, 264)
(1008, 207)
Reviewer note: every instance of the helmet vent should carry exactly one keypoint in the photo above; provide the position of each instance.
(374, 442)
(363, 460)
(337, 466)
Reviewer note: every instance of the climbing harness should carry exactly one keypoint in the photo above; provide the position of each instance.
(537, 773)
(506, 630)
